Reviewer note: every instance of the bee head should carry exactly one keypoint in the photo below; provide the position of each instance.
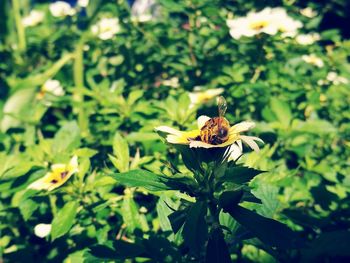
(222, 132)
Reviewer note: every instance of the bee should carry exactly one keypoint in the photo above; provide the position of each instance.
(216, 130)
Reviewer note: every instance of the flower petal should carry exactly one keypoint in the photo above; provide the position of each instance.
(169, 130)
(200, 144)
(242, 126)
(250, 140)
(202, 120)
(42, 230)
(235, 152)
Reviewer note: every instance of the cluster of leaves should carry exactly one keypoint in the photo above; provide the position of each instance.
(117, 92)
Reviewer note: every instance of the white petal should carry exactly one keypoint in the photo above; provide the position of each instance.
(202, 120)
(169, 130)
(42, 230)
(235, 152)
(242, 126)
(250, 140)
(74, 163)
(200, 144)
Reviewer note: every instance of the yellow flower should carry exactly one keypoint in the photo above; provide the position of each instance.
(58, 175)
(235, 138)
(199, 97)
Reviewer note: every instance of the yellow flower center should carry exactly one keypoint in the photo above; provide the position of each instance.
(258, 25)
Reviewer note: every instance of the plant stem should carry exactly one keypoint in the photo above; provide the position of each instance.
(78, 96)
(19, 26)
(53, 199)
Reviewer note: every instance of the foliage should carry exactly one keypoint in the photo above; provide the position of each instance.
(133, 197)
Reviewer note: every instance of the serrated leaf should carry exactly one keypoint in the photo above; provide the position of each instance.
(64, 219)
(239, 174)
(154, 182)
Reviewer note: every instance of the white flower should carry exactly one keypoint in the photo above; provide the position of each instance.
(336, 79)
(42, 230)
(83, 3)
(200, 97)
(285, 24)
(54, 87)
(308, 12)
(106, 28)
(313, 60)
(61, 9)
(269, 21)
(307, 39)
(143, 10)
(173, 82)
(33, 19)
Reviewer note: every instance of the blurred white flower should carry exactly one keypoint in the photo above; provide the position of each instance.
(83, 3)
(54, 87)
(61, 9)
(144, 10)
(42, 230)
(173, 82)
(336, 79)
(307, 39)
(106, 28)
(308, 12)
(285, 24)
(313, 60)
(269, 21)
(33, 19)
(200, 97)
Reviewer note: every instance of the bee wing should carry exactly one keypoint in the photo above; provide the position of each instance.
(222, 106)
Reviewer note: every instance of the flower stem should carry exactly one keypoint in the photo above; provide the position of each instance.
(19, 26)
(53, 199)
(78, 96)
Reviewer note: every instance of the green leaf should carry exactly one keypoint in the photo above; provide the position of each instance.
(230, 197)
(67, 138)
(217, 251)
(282, 111)
(163, 212)
(121, 152)
(177, 219)
(27, 208)
(328, 244)
(154, 182)
(268, 194)
(239, 174)
(64, 219)
(269, 231)
(131, 216)
(161, 249)
(195, 230)
(14, 106)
